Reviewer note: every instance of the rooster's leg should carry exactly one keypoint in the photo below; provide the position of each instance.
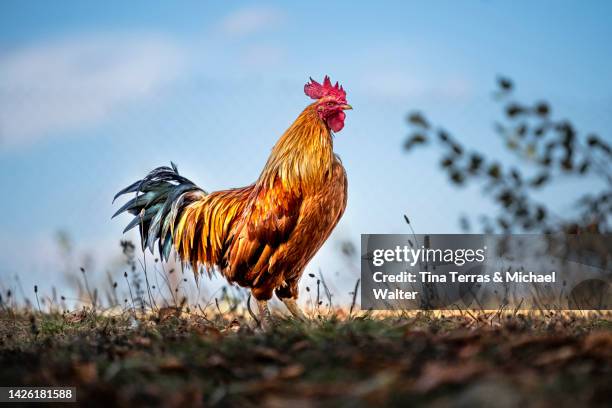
(264, 314)
(294, 309)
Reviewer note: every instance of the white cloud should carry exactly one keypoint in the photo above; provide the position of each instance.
(68, 83)
(251, 20)
(399, 85)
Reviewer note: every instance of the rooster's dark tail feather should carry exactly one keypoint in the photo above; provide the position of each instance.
(160, 198)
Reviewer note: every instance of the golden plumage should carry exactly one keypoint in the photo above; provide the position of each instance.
(260, 236)
(247, 232)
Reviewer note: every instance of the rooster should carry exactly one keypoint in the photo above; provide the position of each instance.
(260, 236)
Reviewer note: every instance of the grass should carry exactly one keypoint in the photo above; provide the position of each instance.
(177, 359)
(148, 339)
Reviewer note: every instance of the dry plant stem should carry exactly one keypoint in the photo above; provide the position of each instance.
(295, 310)
(143, 265)
(354, 297)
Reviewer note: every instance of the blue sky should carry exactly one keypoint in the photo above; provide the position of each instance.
(95, 94)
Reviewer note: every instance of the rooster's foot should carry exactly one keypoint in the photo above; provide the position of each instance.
(295, 309)
(265, 317)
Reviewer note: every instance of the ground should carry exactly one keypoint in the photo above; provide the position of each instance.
(185, 359)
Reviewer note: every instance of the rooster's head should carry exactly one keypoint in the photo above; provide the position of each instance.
(331, 102)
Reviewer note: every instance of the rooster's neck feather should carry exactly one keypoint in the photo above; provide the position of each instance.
(303, 157)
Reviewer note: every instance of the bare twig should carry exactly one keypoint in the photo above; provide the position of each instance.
(37, 301)
(354, 297)
(125, 275)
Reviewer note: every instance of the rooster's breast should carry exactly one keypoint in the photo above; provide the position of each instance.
(319, 215)
(257, 262)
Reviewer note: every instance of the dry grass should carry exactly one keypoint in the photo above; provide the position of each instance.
(177, 358)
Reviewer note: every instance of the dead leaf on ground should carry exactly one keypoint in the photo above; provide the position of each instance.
(270, 354)
(531, 341)
(281, 401)
(172, 364)
(141, 341)
(233, 327)
(599, 343)
(75, 317)
(437, 374)
(291, 371)
(558, 355)
(166, 313)
(86, 372)
(300, 345)
(469, 350)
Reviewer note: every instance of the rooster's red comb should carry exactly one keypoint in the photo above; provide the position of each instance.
(317, 91)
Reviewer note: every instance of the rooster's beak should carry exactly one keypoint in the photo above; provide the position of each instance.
(346, 107)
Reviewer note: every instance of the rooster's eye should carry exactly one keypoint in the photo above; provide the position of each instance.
(330, 103)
